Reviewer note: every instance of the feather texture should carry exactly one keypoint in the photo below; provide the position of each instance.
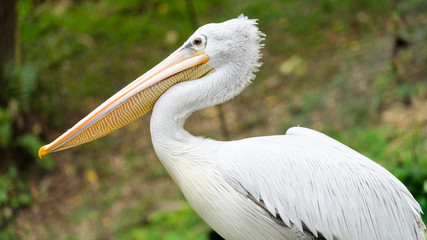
(309, 179)
(299, 186)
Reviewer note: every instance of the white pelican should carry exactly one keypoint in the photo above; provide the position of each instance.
(302, 185)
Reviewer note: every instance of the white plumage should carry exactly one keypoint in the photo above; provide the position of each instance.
(302, 185)
(307, 177)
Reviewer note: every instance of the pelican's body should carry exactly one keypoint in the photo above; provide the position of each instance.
(302, 185)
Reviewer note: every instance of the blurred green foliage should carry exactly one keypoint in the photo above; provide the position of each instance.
(78, 53)
(13, 195)
(17, 93)
(169, 225)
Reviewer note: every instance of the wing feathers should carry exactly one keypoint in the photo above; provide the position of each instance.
(313, 181)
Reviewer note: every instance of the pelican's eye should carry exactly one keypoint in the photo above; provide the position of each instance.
(197, 41)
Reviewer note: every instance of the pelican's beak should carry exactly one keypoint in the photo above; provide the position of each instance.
(134, 100)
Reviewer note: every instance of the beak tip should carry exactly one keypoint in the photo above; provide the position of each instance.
(43, 151)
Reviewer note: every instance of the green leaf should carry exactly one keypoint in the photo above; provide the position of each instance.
(32, 143)
(5, 128)
(28, 79)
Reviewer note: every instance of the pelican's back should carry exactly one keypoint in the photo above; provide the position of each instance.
(312, 182)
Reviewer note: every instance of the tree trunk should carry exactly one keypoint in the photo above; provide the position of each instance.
(8, 17)
(7, 31)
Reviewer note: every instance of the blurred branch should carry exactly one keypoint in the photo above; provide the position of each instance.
(195, 24)
(192, 14)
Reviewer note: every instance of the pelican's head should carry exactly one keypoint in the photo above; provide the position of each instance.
(233, 45)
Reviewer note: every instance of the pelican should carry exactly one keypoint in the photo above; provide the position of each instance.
(301, 185)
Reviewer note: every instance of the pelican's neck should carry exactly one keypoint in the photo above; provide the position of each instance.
(171, 111)
(170, 140)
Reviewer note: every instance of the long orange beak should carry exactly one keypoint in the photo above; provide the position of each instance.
(134, 100)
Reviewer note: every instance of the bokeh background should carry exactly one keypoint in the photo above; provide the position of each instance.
(355, 70)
